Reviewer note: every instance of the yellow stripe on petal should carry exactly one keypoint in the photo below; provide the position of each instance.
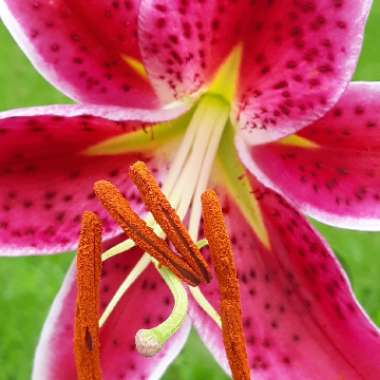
(135, 65)
(298, 141)
(233, 178)
(225, 80)
(141, 140)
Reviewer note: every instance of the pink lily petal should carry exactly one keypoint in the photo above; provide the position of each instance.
(79, 47)
(147, 303)
(337, 182)
(46, 178)
(297, 55)
(300, 317)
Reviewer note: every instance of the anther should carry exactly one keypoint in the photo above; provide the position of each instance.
(167, 218)
(86, 330)
(144, 237)
(230, 307)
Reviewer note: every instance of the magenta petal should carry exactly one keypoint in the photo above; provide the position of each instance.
(339, 181)
(297, 56)
(144, 305)
(46, 178)
(298, 64)
(184, 42)
(78, 45)
(300, 317)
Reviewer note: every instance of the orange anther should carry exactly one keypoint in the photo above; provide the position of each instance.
(144, 237)
(222, 259)
(86, 328)
(167, 218)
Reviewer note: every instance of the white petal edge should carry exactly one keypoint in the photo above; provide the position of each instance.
(170, 112)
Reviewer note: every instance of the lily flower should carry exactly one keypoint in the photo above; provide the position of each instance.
(203, 75)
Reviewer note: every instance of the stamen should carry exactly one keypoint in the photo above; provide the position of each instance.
(181, 156)
(206, 306)
(222, 258)
(167, 218)
(118, 207)
(220, 122)
(211, 117)
(115, 250)
(150, 341)
(128, 244)
(86, 330)
(187, 182)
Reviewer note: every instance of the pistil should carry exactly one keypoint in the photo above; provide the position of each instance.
(86, 330)
(167, 218)
(230, 306)
(136, 228)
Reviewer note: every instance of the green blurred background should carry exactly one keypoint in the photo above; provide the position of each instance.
(28, 285)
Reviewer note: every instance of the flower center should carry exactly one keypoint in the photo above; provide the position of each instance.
(186, 180)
